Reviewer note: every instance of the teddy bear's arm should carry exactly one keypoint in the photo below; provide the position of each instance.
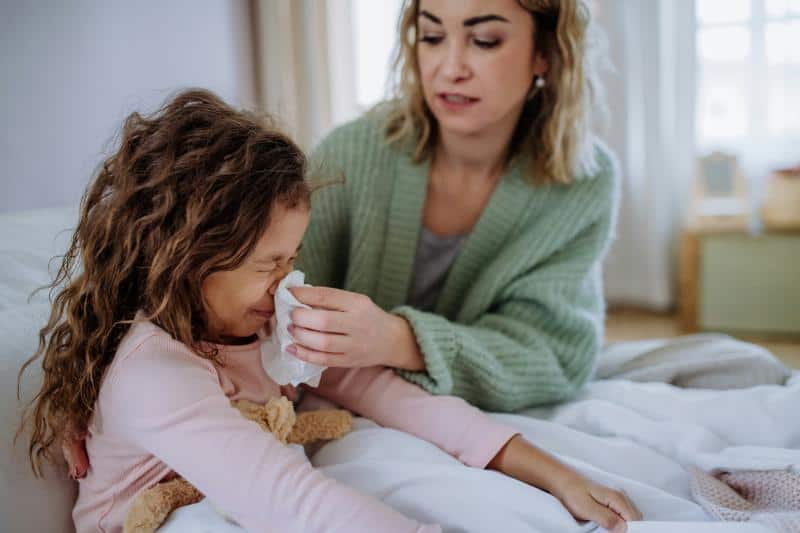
(320, 425)
(152, 506)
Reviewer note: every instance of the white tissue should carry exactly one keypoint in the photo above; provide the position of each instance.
(279, 364)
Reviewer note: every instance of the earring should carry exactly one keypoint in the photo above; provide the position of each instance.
(538, 83)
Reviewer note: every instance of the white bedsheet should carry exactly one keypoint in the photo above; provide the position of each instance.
(637, 436)
(634, 436)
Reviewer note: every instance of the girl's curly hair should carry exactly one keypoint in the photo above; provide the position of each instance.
(188, 193)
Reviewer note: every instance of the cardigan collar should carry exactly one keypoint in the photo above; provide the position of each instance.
(504, 209)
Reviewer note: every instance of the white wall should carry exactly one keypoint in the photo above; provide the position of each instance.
(71, 71)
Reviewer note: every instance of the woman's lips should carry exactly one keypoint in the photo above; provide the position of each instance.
(456, 101)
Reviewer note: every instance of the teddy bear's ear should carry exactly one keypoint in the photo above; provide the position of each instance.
(326, 424)
(280, 417)
(276, 417)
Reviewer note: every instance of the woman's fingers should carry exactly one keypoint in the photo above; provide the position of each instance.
(320, 320)
(326, 297)
(318, 341)
(317, 358)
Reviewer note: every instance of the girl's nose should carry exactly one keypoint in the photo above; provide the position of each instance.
(273, 287)
(282, 274)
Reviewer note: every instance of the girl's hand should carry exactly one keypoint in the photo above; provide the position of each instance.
(583, 498)
(73, 446)
(291, 392)
(587, 500)
(346, 329)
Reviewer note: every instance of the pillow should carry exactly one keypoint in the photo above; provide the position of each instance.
(28, 240)
(26, 503)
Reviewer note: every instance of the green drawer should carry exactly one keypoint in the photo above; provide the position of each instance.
(750, 283)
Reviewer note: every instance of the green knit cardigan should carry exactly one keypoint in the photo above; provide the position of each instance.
(520, 318)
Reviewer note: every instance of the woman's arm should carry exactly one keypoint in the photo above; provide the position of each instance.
(536, 345)
(171, 405)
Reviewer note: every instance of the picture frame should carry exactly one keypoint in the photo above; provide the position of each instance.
(720, 196)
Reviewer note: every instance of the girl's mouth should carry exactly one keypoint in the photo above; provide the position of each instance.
(265, 313)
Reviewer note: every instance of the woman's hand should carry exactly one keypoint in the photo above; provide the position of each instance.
(583, 498)
(346, 329)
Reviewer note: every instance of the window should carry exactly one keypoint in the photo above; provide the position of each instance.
(748, 79)
(375, 31)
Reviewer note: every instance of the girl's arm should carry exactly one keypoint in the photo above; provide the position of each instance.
(450, 423)
(170, 404)
(583, 498)
(472, 437)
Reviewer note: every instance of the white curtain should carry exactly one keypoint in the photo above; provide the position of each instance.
(307, 76)
(651, 129)
(304, 64)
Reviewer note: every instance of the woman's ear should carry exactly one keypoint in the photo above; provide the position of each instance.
(540, 65)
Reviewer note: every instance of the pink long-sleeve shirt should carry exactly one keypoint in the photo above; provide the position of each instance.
(162, 409)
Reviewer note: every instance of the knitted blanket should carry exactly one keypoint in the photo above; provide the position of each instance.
(771, 497)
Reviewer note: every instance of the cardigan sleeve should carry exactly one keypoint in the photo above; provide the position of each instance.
(537, 343)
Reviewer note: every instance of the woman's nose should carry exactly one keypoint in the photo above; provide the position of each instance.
(455, 66)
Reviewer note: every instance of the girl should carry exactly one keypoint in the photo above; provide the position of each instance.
(182, 239)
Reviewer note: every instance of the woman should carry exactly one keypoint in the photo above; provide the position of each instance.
(465, 247)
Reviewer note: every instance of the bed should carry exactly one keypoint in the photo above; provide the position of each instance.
(655, 410)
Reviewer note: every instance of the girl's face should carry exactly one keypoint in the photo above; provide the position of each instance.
(476, 62)
(241, 301)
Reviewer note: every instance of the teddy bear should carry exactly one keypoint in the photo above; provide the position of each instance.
(151, 507)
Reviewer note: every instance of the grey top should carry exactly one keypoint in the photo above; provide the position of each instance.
(435, 254)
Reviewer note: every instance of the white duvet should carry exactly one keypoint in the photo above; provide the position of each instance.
(635, 435)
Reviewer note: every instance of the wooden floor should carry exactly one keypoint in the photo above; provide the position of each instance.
(634, 325)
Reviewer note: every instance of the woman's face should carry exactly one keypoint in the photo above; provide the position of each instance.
(241, 301)
(476, 62)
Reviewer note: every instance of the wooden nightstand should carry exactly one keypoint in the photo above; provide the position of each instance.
(740, 283)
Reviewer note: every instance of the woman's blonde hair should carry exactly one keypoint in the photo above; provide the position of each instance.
(554, 130)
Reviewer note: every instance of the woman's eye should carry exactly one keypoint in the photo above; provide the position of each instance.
(431, 39)
(480, 43)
